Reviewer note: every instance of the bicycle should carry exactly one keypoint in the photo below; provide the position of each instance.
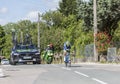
(67, 61)
(68, 64)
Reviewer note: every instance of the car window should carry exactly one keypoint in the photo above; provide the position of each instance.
(5, 60)
(24, 47)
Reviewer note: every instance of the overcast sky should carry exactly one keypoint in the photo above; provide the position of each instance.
(16, 10)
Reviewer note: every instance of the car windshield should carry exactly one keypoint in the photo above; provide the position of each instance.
(24, 47)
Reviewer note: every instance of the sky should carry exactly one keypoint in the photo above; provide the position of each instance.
(16, 10)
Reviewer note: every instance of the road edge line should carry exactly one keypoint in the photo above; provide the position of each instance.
(101, 82)
(81, 73)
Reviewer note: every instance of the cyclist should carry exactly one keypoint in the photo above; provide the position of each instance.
(67, 48)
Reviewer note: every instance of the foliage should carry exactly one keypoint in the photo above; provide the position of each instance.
(103, 41)
(75, 33)
(108, 14)
(52, 35)
(51, 30)
(85, 12)
(68, 7)
(72, 21)
(53, 18)
(8, 43)
(8, 46)
(116, 37)
(24, 26)
(2, 39)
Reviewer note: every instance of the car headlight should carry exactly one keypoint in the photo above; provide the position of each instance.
(16, 54)
(37, 53)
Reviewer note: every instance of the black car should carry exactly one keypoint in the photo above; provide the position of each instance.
(24, 54)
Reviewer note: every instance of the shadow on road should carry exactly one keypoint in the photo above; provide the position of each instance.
(5, 76)
(72, 66)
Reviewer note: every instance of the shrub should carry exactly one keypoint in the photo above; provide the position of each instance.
(102, 42)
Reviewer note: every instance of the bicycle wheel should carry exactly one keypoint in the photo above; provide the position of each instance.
(69, 63)
(66, 64)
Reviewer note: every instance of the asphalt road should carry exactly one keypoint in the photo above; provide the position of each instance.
(83, 73)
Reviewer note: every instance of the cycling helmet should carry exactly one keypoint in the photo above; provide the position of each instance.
(67, 43)
(48, 45)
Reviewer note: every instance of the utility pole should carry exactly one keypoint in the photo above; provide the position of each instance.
(39, 31)
(95, 28)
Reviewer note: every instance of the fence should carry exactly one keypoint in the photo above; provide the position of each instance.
(89, 53)
(113, 54)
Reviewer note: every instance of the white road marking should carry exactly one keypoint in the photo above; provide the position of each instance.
(5, 65)
(95, 79)
(81, 73)
(66, 68)
(101, 82)
(54, 65)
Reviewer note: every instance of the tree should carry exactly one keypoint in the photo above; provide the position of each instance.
(102, 42)
(51, 30)
(8, 37)
(8, 46)
(116, 37)
(2, 39)
(67, 7)
(53, 18)
(108, 14)
(75, 33)
(85, 13)
(24, 27)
